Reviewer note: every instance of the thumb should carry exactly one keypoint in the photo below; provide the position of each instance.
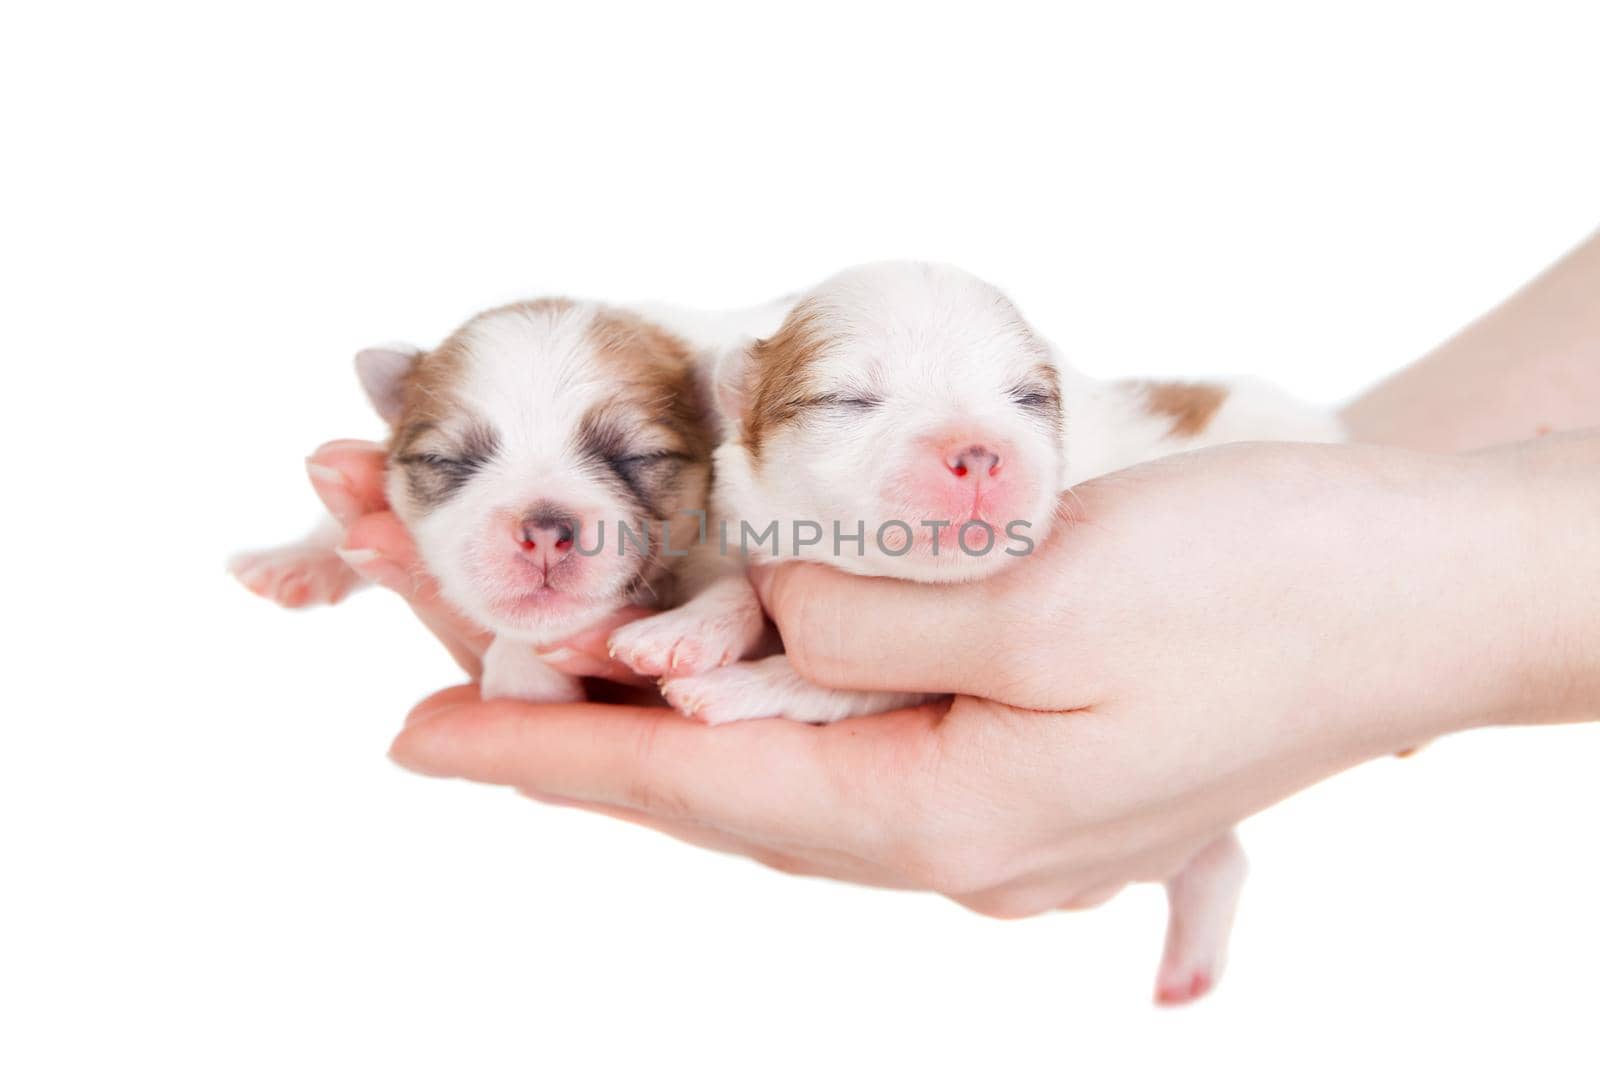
(877, 634)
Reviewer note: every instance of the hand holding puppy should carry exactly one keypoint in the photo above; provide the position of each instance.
(1207, 635)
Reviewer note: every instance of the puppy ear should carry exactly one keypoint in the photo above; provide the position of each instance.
(383, 375)
(731, 375)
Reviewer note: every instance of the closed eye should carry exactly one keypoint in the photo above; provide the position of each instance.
(442, 462)
(433, 478)
(859, 401)
(647, 458)
(1033, 398)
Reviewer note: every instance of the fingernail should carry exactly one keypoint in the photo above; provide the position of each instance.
(333, 489)
(320, 472)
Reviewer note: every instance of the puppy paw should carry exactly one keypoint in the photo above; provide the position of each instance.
(731, 694)
(296, 575)
(769, 688)
(683, 642)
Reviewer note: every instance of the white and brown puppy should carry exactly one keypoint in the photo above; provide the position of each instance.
(520, 448)
(900, 411)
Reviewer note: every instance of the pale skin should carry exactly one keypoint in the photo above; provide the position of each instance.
(1202, 637)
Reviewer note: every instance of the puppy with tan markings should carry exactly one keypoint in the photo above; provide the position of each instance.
(547, 459)
(906, 421)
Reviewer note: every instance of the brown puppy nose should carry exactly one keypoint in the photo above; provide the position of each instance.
(545, 534)
(972, 460)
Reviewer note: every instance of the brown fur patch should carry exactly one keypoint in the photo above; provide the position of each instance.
(430, 386)
(655, 371)
(1191, 406)
(653, 374)
(779, 384)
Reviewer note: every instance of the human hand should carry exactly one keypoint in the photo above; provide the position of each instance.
(1222, 628)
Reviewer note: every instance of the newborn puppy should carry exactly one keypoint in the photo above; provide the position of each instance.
(519, 449)
(896, 404)
(905, 421)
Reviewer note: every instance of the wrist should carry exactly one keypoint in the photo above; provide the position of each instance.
(1519, 529)
(1480, 590)
(1551, 531)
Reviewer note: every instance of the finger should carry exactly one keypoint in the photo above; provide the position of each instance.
(442, 700)
(851, 632)
(775, 781)
(378, 547)
(348, 477)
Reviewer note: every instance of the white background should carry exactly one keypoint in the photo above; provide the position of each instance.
(207, 210)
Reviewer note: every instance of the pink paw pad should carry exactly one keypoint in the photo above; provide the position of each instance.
(1185, 989)
(656, 654)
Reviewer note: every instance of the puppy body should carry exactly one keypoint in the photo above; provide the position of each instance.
(915, 399)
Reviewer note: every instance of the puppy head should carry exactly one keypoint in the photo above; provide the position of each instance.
(530, 432)
(897, 393)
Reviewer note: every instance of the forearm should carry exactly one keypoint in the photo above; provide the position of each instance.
(1529, 367)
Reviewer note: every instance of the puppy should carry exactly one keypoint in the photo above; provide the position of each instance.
(906, 421)
(547, 458)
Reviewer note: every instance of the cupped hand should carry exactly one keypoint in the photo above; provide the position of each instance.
(1197, 639)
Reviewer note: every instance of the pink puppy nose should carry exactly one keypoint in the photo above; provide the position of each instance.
(973, 460)
(545, 535)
